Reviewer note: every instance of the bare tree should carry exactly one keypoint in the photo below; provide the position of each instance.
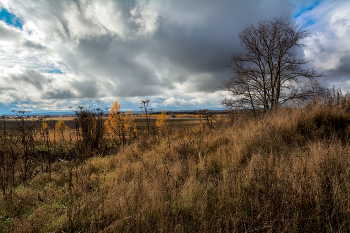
(144, 107)
(269, 74)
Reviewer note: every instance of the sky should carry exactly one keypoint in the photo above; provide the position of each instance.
(60, 54)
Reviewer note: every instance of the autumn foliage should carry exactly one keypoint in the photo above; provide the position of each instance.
(60, 128)
(118, 125)
(114, 122)
(162, 122)
(130, 125)
(44, 129)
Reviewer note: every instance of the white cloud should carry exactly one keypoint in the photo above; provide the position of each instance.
(172, 52)
(329, 41)
(146, 18)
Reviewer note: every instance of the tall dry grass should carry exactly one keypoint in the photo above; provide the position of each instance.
(288, 171)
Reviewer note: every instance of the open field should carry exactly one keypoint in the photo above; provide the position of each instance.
(287, 171)
(71, 122)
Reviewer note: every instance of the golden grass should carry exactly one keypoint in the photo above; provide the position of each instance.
(71, 122)
(286, 172)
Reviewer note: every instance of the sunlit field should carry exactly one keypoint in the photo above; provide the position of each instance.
(71, 122)
(283, 171)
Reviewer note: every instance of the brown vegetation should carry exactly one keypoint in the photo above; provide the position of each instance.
(287, 171)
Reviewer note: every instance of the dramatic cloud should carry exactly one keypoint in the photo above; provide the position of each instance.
(66, 53)
(328, 46)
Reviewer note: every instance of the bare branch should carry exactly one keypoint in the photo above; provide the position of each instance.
(269, 74)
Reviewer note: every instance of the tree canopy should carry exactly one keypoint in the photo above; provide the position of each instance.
(270, 73)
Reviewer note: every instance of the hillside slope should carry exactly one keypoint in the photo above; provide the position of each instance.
(288, 171)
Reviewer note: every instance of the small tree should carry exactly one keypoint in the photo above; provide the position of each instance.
(89, 128)
(114, 121)
(60, 128)
(44, 129)
(269, 74)
(162, 123)
(130, 125)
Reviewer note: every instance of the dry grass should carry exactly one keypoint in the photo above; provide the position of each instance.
(285, 172)
(10, 124)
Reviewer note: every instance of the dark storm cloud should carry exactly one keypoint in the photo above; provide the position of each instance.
(343, 70)
(208, 83)
(86, 89)
(7, 32)
(114, 59)
(202, 42)
(206, 47)
(33, 45)
(135, 48)
(7, 89)
(202, 45)
(29, 77)
(58, 94)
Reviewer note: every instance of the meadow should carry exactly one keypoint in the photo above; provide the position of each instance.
(71, 122)
(284, 171)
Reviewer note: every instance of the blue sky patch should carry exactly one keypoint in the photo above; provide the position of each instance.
(305, 8)
(54, 71)
(309, 22)
(10, 18)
